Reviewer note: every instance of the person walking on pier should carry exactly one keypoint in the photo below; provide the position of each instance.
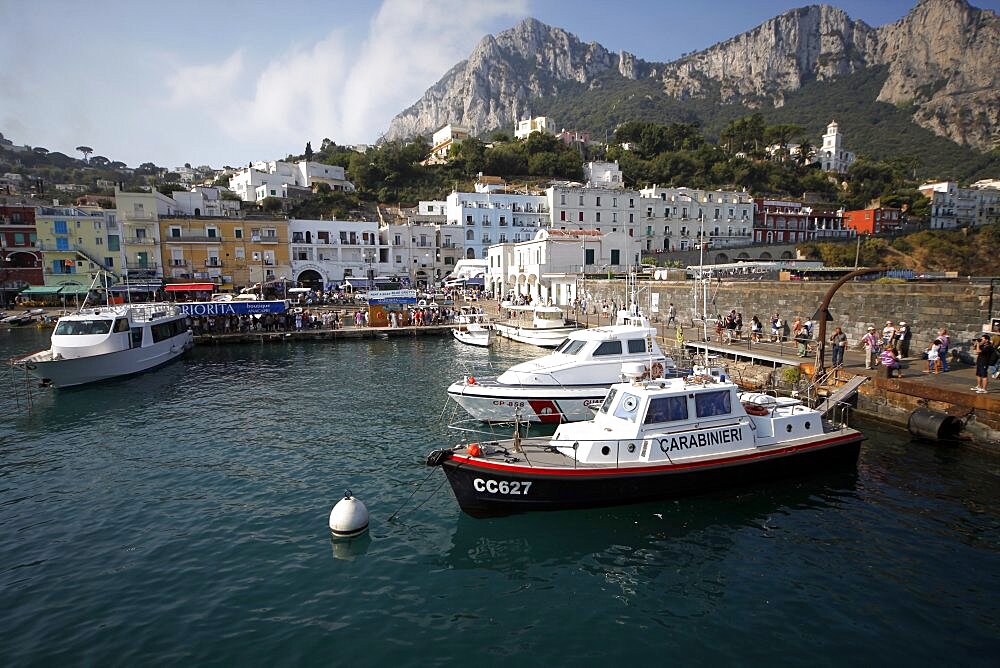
(870, 343)
(986, 356)
(934, 357)
(903, 334)
(839, 341)
(671, 313)
(945, 346)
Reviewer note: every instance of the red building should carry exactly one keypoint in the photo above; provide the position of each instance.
(20, 260)
(788, 222)
(873, 221)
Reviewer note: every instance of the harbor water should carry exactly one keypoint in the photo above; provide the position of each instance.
(179, 517)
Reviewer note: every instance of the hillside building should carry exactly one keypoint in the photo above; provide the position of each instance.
(876, 220)
(487, 218)
(832, 156)
(952, 206)
(76, 243)
(276, 178)
(543, 124)
(443, 140)
(678, 219)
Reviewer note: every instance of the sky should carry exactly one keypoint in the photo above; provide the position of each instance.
(229, 83)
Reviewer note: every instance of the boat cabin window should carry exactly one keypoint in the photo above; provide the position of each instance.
(570, 347)
(83, 327)
(121, 325)
(136, 337)
(608, 400)
(627, 408)
(709, 404)
(666, 409)
(637, 345)
(608, 348)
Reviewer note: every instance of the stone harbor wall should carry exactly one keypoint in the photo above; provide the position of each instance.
(960, 307)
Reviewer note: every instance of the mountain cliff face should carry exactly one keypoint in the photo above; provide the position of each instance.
(942, 58)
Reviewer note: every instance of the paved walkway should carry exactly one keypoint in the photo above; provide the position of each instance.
(960, 379)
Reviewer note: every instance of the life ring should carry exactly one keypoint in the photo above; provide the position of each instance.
(657, 371)
(754, 409)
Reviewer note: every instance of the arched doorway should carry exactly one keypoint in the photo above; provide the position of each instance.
(470, 254)
(310, 278)
(721, 258)
(765, 257)
(787, 255)
(743, 256)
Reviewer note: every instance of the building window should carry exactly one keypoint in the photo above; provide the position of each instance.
(239, 232)
(59, 227)
(175, 232)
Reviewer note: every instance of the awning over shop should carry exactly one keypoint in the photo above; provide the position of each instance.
(189, 287)
(72, 290)
(42, 290)
(143, 287)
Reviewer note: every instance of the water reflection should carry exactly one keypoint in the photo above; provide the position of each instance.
(644, 535)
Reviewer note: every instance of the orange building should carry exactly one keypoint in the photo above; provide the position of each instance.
(873, 221)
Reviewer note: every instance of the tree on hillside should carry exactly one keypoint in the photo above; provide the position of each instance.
(309, 151)
(99, 161)
(86, 150)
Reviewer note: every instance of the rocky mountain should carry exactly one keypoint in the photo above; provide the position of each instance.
(940, 61)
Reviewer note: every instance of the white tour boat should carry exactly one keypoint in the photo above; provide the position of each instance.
(543, 326)
(561, 386)
(101, 342)
(473, 328)
(651, 439)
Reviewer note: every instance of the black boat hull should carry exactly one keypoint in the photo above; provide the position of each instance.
(485, 489)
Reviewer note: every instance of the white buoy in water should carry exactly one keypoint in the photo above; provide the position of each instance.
(349, 518)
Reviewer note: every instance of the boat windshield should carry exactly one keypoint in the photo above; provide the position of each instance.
(82, 327)
(570, 347)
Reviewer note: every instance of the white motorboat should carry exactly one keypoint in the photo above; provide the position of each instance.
(543, 326)
(102, 342)
(473, 328)
(651, 439)
(560, 387)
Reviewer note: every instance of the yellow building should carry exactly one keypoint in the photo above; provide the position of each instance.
(230, 252)
(76, 243)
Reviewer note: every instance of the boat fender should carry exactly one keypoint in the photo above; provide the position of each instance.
(754, 409)
(471, 380)
(349, 518)
(474, 450)
(657, 371)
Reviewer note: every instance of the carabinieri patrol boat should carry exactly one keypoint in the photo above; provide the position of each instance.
(650, 439)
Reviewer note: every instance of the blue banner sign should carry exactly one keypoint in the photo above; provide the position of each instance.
(392, 297)
(235, 307)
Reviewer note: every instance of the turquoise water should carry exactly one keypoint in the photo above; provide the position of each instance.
(179, 517)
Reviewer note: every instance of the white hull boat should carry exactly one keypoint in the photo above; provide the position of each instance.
(651, 439)
(562, 386)
(546, 328)
(104, 342)
(473, 329)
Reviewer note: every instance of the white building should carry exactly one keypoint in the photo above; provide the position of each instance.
(832, 156)
(537, 124)
(606, 210)
(443, 140)
(550, 267)
(673, 218)
(324, 253)
(487, 218)
(952, 206)
(139, 215)
(604, 175)
(267, 179)
(204, 201)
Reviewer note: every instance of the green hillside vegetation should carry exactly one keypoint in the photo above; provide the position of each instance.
(970, 252)
(875, 130)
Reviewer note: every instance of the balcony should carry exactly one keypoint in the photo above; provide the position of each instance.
(214, 262)
(193, 238)
(179, 263)
(140, 241)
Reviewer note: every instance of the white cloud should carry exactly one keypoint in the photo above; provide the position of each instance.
(345, 86)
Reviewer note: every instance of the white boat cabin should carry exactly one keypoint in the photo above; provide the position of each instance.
(670, 420)
(591, 357)
(110, 329)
